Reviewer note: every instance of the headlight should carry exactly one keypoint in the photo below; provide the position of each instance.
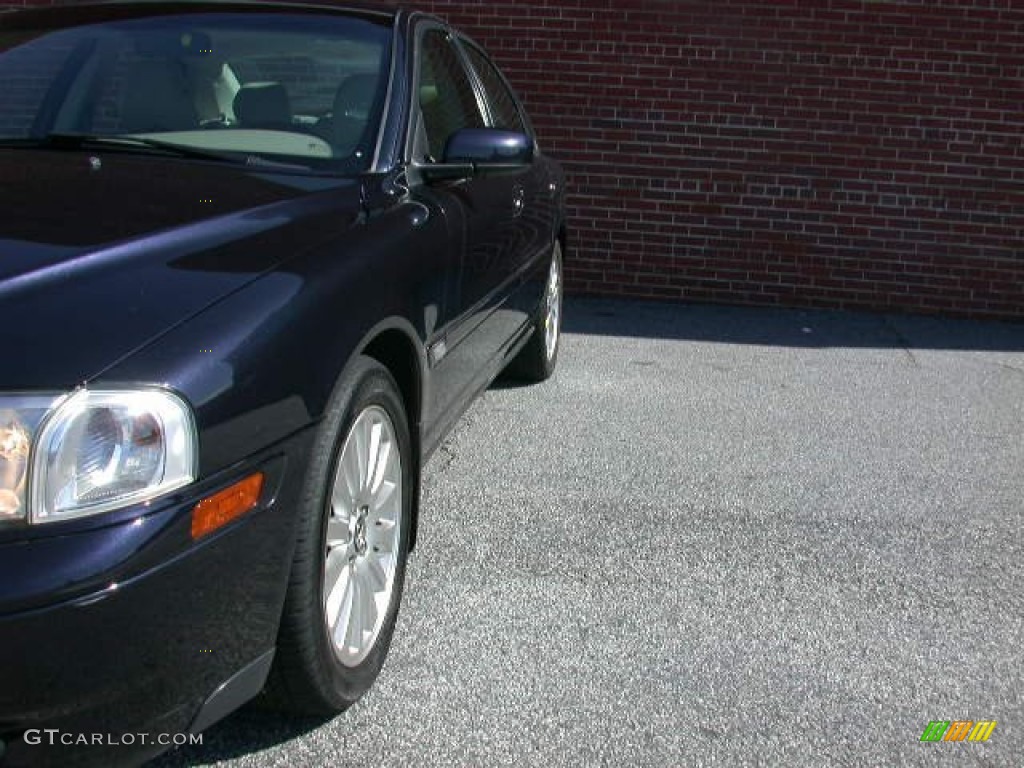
(19, 419)
(98, 451)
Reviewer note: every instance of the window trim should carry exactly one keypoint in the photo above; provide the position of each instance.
(387, 109)
(466, 44)
(416, 135)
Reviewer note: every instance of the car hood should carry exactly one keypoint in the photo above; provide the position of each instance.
(102, 252)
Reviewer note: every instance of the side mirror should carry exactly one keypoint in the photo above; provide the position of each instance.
(479, 151)
(489, 147)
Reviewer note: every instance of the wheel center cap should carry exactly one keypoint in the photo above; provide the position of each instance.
(359, 531)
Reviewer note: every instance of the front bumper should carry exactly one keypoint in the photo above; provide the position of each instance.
(163, 622)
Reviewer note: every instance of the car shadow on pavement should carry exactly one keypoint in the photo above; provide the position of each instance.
(506, 381)
(810, 328)
(244, 733)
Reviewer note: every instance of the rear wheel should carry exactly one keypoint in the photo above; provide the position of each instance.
(536, 361)
(349, 565)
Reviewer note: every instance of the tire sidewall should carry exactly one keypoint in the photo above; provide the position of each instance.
(371, 385)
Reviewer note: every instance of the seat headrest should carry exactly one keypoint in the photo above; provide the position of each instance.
(355, 95)
(263, 105)
(428, 95)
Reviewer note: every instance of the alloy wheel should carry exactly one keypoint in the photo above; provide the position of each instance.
(553, 307)
(363, 529)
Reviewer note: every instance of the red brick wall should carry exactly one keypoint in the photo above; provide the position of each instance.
(825, 153)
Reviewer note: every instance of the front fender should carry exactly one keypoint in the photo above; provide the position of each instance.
(261, 364)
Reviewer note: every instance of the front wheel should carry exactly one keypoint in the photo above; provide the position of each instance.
(349, 565)
(536, 361)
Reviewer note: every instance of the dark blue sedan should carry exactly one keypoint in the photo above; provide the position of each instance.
(255, 261)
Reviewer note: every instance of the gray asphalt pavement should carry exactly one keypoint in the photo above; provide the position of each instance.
(718, 536)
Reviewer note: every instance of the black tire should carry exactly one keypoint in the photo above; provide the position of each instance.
(308, 677)
(535, 362)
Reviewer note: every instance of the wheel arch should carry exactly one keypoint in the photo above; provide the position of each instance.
(396, 347)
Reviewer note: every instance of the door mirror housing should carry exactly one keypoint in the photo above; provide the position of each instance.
(488, 148)
(481, 151)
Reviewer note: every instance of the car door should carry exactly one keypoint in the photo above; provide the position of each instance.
(533, 225)
(481, 214)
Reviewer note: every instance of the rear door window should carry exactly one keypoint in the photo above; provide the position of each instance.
(446, 95)
(505, 112)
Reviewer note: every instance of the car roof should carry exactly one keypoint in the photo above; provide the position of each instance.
(125, 8)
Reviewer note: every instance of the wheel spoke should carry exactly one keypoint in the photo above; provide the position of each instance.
(386, 500)
(373, 457)
(383, 465)
(357, 616)
(338, 534)
(383, 537)
(342, 501)
(336, 586)
(386, 560)
(375, 578)
(343, 621)
(369, 611)
(362, 453)
(350, 470)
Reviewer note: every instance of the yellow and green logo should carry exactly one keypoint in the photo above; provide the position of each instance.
(961, 730)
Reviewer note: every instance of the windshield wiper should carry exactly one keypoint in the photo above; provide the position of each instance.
(73, 141)
(79, 141)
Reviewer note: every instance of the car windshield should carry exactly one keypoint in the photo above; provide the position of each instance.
(280, 89)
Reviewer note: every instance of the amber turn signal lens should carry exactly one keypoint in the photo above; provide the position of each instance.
(220, 509)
